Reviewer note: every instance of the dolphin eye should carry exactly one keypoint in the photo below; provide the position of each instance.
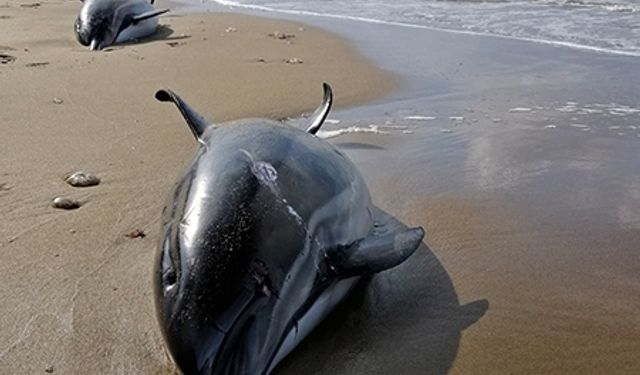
(170, 278)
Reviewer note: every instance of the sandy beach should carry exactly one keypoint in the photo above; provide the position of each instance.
(519, 159)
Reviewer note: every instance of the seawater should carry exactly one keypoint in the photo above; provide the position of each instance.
(599, 25)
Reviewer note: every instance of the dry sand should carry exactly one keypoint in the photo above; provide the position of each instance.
(76, 292)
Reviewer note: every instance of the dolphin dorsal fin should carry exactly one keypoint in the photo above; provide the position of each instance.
(196, 122)
(375, 253)
(143, 16)
(320, 114)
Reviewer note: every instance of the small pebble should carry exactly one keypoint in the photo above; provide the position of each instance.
(82, 179)
(293, 60)
(65, 203)
(57, 101)
(230, 29)
(550, 126)
(49, 370)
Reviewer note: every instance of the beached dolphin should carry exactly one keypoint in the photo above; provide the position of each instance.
(102, 23)
(266, 232)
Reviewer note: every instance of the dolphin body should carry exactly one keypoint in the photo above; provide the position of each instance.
(266, 232)
(102, 23)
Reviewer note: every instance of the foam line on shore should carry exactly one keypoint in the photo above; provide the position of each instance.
(556, 43)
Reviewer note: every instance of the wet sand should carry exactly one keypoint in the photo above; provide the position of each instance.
(77, 293)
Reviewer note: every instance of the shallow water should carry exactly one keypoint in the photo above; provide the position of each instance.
(607, 25)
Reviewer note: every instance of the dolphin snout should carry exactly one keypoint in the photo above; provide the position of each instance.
(193, 349)
(95, 45)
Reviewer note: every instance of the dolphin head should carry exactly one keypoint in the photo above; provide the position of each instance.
(217, 281)
(227, 240)
(93, 26)
(93, 32)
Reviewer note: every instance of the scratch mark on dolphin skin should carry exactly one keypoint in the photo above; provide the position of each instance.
(268, 176)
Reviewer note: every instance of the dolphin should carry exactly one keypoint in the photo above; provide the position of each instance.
(102, 23)
(269, 228)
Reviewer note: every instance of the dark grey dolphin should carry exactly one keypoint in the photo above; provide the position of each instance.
(102, 23)
(269, 228)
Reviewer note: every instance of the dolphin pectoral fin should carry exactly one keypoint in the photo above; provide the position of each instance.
(375, 253)
(147, 15)
(196, 123)
(322, 111)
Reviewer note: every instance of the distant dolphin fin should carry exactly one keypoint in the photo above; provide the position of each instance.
(146, 15)
(196, 123)
(375, 253)
(321, 112)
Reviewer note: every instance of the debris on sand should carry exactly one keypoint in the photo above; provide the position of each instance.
(136, 233)
(57, 101)
(5, 187)
(230, 29)
(82, 179)
(31, 5)
(65, 203)
(49, 370)
(282, 36)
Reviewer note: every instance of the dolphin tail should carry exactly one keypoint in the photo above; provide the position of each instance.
(322, 111)
(147, 15)
(375, 253)
(196, 122)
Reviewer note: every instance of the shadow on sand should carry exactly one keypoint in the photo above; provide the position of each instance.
(407, 320)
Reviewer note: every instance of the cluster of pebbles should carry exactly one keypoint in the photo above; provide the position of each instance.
(81, 179)
(75, 179)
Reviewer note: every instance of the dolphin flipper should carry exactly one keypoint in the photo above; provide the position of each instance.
(196, 122)
(143, 16)
(375, 253)
(322, 111)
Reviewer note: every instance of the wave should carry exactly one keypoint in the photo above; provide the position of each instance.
(558, 43)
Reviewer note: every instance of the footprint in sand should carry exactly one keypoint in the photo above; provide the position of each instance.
(37, 64)
(31, 5)
(176, 44)
(5, 59)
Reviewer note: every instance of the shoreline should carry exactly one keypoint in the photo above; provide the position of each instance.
(231, 6)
